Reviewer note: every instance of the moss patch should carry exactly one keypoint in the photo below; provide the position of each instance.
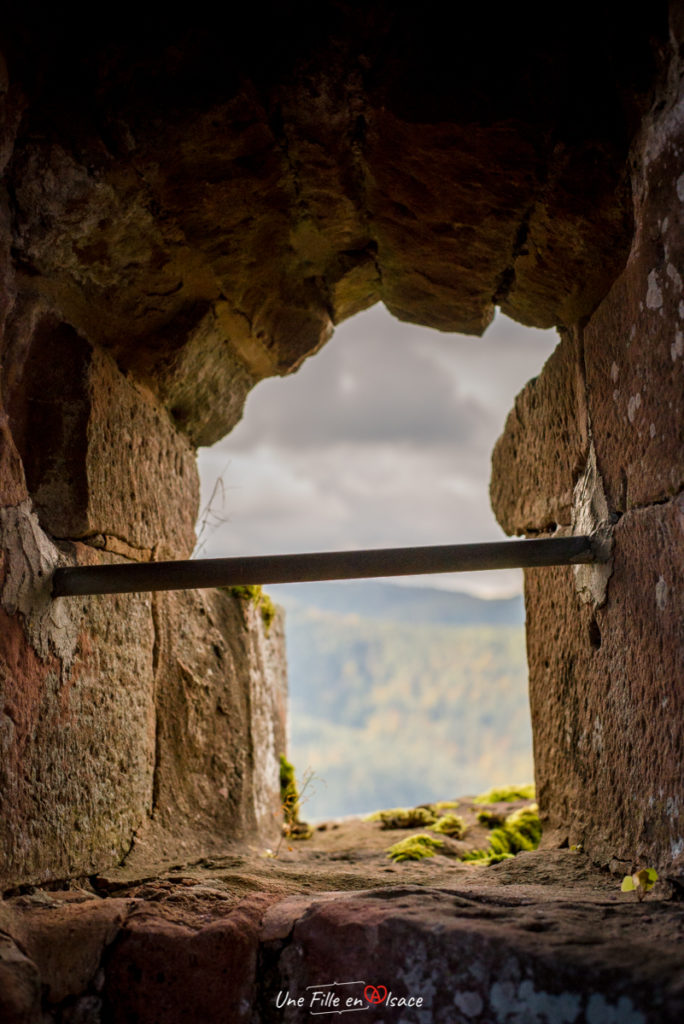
(506, 794)
(255, 594)
(293, 828)
(521, 830)
(451, 825)
(411, 818)
(490, 818)
(415, 847)
(289, 796)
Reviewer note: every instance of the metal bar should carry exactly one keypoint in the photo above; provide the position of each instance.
(329, 565)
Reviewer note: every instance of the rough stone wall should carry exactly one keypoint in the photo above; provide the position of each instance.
(207, 202)
(122, 716)
(186, 209)
(607, 661)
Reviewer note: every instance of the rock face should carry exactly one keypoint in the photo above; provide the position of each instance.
(221, 715)
(118, 713)
(217, 206)
(606, 670)
(541, 938)
(189, 208)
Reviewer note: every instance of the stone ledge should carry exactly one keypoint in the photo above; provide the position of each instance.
(542, 937)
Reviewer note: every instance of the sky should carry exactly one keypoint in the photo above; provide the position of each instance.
(382, 439)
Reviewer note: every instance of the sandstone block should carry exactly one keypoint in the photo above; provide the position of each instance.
(449, 184)
(605, 681)
(607, 698)
(166, 971)
(101, 456)
(524, 959)
(537, 459)
(634, 342)
(221, 724)
(20, 989)
(76, 729)
(66, 939)
(122, 715)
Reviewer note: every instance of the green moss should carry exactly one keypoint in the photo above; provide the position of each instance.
(254, 593)
(485, 857)
(293, 828)
(247, 592)
(490, 818)
(521, 830)
(268, 611)
(289, 796)
(411, 818)
(414, 847)
(506, 794)
(378, 815)
(451, 825)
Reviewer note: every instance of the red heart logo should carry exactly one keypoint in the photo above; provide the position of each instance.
(375, 994)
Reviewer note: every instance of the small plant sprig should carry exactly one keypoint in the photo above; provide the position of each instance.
(641, 882)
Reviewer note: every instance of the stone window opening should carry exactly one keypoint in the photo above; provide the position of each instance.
(326, 420)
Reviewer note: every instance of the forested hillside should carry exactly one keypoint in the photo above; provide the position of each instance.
(390, 712)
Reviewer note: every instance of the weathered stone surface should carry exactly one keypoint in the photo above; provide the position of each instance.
(460, 956)
(607, 697)
(203, 383)
(221, 725)
(118, 709)
(189, 209)
(20, 990)
(605, 647)
(66, 939)
(101, 456)
(545, 443)
(543, 937)
(83, 686)
(165, 971)
(556, 237)
(13, 487)
(244, 212)
(634, 343)
(77, 726)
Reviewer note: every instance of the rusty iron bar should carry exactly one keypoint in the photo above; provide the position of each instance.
(137, 577)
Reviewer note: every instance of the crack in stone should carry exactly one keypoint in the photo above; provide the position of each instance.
(506, 279)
